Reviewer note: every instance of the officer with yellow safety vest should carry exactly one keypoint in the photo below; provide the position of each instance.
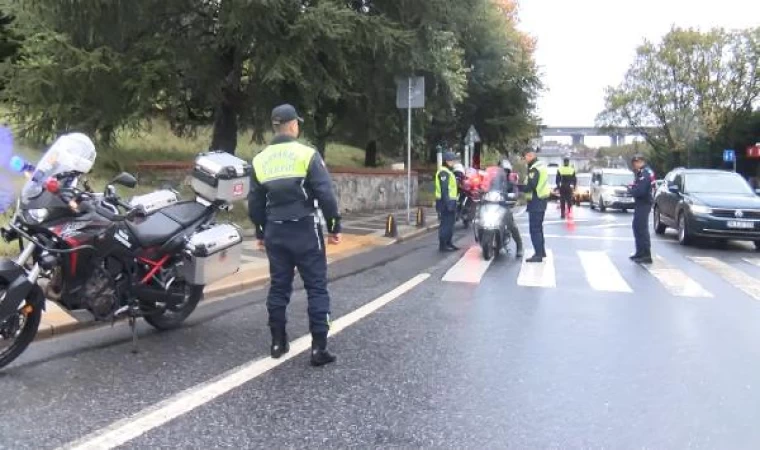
(446, 195)
(566, 181)
(536, 192)
(289, 181)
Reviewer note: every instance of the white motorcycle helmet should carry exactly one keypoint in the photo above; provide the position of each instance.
(458, 168)
(506, 165)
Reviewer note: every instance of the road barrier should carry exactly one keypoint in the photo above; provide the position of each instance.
(420, 222)
(391, 229)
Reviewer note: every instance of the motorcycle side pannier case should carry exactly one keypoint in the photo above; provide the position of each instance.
(215, 254)
(219, 176)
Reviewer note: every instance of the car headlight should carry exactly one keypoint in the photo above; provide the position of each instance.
(700, 209)
(37, 215)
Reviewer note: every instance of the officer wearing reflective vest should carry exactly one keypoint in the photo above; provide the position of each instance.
(536, 192)
(446, 194)
(289, 181)
(566, 181)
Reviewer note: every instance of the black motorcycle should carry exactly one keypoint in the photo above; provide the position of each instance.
(109, 257)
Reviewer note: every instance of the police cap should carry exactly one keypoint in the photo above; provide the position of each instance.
(284, 114)
(449, 156)
(638, 157)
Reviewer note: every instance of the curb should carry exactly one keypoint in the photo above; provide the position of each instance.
(221, 293)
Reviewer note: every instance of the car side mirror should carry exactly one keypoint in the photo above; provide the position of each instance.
(125, 179)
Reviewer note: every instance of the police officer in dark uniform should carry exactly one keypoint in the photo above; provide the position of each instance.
(537, 193)
(511, 187)
(641, 190)
(289, 181)
(446, 194)
(566, 181)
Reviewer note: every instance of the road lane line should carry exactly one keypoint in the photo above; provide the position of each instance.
(538, 274)
(125, 430)
(739, 279)
(675, 280)
(601, 273)
(469, 269)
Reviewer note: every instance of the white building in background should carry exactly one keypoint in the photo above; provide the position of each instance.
(553, 154)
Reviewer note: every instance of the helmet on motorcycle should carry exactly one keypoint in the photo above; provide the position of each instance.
(458, 168)
(506, 165)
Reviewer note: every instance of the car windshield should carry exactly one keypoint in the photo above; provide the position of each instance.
(69, 153)
(617, 179)
(716, 183)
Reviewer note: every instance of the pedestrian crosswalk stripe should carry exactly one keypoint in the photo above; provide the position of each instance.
(753, 261)
(469, 269)
(675, 280)
(733, 276)
(538, 274)
(601, 272)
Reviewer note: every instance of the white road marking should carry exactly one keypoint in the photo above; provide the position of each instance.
(601, 273)
(469, 269)
(127, 429)
(538, 274)
(733, 276)
(675, 280)
(580, 236)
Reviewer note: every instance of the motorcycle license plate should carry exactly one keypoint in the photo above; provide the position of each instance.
(741, 224)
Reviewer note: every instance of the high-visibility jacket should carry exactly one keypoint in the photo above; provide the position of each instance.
(447, 176)
(542, 189)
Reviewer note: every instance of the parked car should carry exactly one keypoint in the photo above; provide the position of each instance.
(705, 203)
(583, 188)
(609, 189)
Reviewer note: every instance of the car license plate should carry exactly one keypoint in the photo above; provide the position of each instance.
(740, 224)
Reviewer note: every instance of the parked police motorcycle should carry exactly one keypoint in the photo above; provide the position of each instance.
(149, 258)
(490, 225)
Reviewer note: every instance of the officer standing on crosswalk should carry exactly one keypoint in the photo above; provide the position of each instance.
(446, 194)
(536, 192)
(641, 190)
(566, 181)
(288, 177)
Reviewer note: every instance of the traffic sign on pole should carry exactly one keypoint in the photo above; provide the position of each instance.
(410, 93)
(729, 156)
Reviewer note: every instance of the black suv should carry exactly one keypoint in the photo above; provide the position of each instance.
(707, 203)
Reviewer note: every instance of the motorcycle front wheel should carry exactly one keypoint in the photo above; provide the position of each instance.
(486, 244)
(18, 330)
(171, 318)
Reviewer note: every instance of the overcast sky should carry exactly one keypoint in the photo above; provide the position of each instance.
(585, 45)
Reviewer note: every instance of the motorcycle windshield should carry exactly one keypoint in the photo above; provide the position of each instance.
(71, 153)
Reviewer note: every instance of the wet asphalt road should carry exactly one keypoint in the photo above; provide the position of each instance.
(487, 364)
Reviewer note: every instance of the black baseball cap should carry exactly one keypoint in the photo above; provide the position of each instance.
(284, 114)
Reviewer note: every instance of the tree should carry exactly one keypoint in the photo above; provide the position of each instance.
(686, 89)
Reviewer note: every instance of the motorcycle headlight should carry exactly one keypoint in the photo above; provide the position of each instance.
(700, 209)
(490, 218)
(492, 197)
(37, 215)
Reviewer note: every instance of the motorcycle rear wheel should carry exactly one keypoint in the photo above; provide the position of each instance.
(171, 319)
(24, 332)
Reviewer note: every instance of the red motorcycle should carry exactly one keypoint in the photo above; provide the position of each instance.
(469, 196)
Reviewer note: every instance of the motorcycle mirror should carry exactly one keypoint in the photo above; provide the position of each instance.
(125, 179)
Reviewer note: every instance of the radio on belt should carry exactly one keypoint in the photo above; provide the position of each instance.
(221, 177)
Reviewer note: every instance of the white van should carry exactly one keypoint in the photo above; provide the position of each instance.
(609, 189)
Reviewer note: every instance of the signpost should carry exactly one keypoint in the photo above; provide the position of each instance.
(470, 140)
(410, 93)
(730, 156)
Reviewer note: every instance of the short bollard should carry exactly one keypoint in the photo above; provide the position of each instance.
(391, 230)
(420, 217)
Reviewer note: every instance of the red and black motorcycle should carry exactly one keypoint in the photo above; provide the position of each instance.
(109, 257)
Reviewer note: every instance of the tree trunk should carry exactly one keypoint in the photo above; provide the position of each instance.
(225, 133)
(370, 154)
(320, 132)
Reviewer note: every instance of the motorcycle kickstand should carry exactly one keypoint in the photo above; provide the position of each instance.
(133, 328)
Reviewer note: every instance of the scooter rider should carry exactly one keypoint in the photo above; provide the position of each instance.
(510, 187)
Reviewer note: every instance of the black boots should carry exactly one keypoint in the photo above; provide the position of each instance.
(319, 353)
(280, 344)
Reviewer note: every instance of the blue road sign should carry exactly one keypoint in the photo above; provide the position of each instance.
(729, 155)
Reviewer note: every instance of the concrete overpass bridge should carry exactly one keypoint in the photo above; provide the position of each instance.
(617, 136)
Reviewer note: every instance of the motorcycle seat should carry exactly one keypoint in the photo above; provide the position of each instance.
(155, 229)
(184, 213)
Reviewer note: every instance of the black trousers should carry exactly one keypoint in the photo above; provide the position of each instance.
(513, 230)
(298, 244)
(565, 199)
(641, 228)
(536, 228)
